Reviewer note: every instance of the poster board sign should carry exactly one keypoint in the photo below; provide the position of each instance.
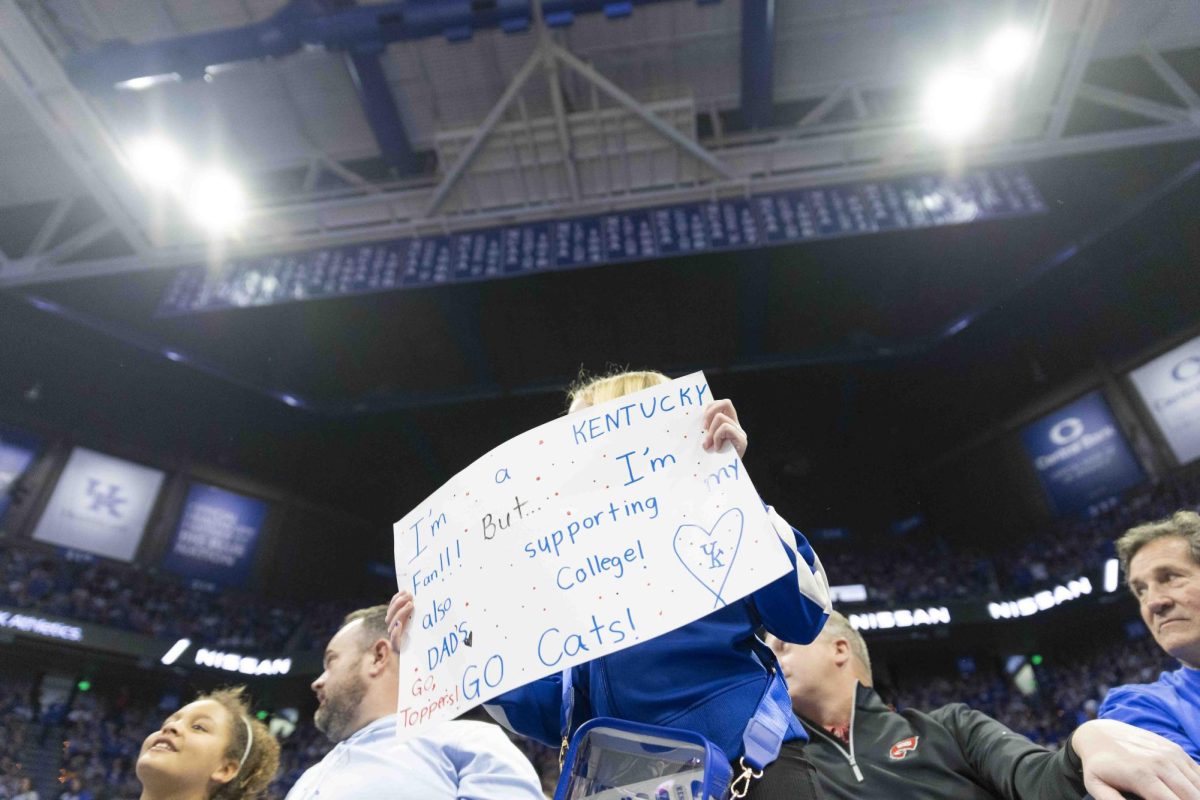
(217, 535)
(100, 505)
(1170, 388)
(1080, 455)
(579, 538)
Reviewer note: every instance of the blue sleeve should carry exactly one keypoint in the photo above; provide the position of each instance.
(534, 710)
(795, 606)
(488, 766)
(1135, 706)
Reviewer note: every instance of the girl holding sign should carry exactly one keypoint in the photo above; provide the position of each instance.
(211, 749)
(712, 676)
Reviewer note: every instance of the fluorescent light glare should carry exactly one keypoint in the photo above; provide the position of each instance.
(1112, 575)
(157, 162)
(147, 82)
(177, 649)
(1008, 50)
(216, 201)
(956, 103)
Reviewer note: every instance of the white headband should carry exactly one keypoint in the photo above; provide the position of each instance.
(249, 742)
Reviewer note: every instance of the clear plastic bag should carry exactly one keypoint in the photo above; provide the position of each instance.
(618, 760)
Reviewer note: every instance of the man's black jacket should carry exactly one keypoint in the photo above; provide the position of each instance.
(951, 752)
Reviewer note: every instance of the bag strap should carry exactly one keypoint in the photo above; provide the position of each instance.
(763, 736)
(565, 711)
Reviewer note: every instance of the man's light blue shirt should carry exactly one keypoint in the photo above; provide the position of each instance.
(1169, 707)
(458, 760)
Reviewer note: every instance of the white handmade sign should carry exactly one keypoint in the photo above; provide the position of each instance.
(581, 537)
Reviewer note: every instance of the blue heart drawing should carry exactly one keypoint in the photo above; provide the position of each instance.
(709, 554)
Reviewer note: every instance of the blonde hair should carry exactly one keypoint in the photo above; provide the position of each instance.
(1184, 524)
(838, 627)
(596, 390)
(258, 770)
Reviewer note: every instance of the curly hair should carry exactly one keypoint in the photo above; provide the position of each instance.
(256, 773)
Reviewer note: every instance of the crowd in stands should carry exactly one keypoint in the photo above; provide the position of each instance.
(165, 606)
(1062, 551)
(1067, 694)
(100, 734)
(15, 717)
(134, 599)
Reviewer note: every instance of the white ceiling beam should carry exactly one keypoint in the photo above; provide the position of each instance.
(556, 101)
(1094, 14)
(515, 86)
(50, 227)
(882, 168)
(614, 92)
(1131, 104)
(1170, 77)
(80, 241)
(822, 109)
(39, 81)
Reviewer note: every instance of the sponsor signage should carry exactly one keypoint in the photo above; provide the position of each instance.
(1170, 387)
(217, 536)
(1081, 458)
(40, 626)
(1041, 601)
(26, 624)
(848, 593)
(900, 618)
(960, 613)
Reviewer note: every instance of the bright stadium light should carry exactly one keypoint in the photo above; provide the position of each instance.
(216, 201)
(1007, 50)
(956, 103)
(157, 162)
(148, 82)
(1112, 575)
(177, 649)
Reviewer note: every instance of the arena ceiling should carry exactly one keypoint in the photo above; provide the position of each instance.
(884, 350)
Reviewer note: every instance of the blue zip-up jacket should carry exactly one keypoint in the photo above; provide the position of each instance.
(704, 677)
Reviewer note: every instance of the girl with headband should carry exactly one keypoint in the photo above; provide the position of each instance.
(211, 749)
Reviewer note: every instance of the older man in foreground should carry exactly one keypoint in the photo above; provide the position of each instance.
(864, 749)
(1161, 561)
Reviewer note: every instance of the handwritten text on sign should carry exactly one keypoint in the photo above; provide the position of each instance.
(581, 537)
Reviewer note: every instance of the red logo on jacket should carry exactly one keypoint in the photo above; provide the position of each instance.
(902, 748)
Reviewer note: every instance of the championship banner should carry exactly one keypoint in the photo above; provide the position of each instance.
(1080, 455)
(584, 536)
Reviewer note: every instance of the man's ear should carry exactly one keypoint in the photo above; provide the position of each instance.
(841, 652)
(380, 657)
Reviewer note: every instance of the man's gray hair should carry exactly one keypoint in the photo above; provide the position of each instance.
(1184, 524)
